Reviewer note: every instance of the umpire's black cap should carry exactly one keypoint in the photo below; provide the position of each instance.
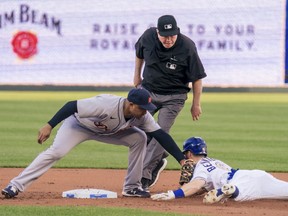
(167, 26)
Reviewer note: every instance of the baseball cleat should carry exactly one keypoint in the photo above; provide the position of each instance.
(10, 192)
(136, 192)
(221, 195)
(156, 172)
(145, 184)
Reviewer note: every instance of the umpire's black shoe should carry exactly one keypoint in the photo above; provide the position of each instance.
(10, 192)
(136, 192)
(156, 172)
(145, 184)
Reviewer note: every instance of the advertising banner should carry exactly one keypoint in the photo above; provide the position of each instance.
(91, 42)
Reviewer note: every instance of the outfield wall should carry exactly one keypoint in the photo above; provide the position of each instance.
(91, 42)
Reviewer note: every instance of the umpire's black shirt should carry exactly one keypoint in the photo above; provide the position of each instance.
(168, 71)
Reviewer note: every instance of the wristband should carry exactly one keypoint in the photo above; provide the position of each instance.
(179, 193)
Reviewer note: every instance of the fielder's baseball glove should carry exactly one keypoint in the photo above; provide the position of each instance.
(187, 171)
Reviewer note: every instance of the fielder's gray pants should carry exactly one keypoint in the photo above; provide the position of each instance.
(69, 135)
(168, 108)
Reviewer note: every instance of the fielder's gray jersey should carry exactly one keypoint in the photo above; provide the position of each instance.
(103, 114)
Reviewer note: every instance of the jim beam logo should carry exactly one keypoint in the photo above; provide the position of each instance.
(24, 42)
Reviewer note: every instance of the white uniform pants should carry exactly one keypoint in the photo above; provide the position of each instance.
(258, 184)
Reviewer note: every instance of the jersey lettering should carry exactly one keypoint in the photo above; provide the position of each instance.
(211, 168)
(207, 164)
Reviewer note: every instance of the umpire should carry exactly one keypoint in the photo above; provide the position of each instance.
(171, 63)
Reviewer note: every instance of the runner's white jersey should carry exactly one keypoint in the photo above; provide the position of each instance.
(214, 172)
(103, 114)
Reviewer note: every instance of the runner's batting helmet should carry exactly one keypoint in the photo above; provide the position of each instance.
(196, 145)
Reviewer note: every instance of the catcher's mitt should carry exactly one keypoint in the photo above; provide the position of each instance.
(187, 171)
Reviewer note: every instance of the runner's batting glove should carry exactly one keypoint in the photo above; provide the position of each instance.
(163, 196)
(187, 171)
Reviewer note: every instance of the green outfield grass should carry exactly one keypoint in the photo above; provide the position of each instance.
(247, 130)
(79, 211)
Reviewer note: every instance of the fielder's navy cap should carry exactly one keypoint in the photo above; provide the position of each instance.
(167, 26)
(142, 98)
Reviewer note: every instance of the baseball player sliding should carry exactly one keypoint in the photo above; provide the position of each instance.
(222, 181)
(105, 118)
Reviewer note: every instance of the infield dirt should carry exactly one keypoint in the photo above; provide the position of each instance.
(48, 189)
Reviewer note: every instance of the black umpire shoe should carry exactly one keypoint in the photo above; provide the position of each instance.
(156, 172)
(145, 184)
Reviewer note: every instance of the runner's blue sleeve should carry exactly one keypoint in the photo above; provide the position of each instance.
(167, 142)
(68, 109)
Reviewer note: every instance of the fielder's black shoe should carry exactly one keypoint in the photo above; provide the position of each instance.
(10, 192)
(156, 172)
(136, 192)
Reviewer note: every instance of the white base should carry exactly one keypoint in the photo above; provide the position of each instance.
(89, 194)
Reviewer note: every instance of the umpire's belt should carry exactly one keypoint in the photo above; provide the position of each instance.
(231, 173)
